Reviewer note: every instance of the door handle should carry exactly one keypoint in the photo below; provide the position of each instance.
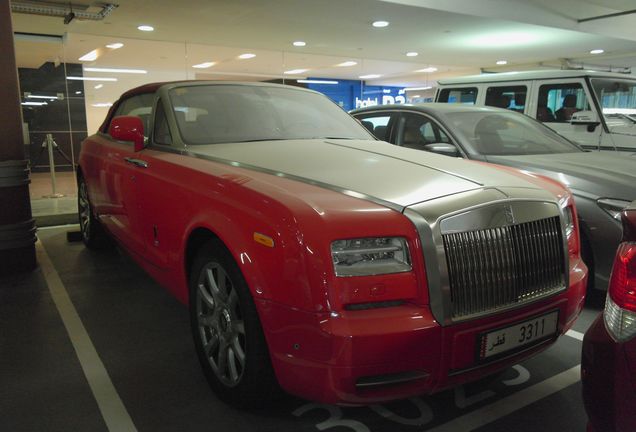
(137, 162)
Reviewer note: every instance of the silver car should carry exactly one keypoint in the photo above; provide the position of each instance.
(603, 184)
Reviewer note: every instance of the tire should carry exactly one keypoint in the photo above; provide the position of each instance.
(227, 333)
(93, 234)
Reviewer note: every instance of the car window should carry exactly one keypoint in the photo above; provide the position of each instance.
(466, 96)
(557, 102)
(378, 125)
(507, 133)
(509, 97)
(140, 106)
(229, 113)
(417, 130)
(162, 131)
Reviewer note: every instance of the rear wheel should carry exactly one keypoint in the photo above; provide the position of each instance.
(93, 234)
(227, 333)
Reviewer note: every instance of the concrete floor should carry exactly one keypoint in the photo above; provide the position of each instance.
(141, 335)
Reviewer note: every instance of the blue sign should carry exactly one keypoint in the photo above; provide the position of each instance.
(350, 94)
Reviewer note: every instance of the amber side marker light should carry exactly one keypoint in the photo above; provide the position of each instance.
(264, 240)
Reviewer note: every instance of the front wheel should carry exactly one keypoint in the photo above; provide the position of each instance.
(227, 333)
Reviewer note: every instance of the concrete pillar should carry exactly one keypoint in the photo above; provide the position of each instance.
(17, 227)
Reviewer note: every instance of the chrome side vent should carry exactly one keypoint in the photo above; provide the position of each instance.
(496, 268)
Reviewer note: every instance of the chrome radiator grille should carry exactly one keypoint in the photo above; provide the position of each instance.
(495, 268)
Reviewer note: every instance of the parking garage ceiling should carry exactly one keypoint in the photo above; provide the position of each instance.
(456, 36)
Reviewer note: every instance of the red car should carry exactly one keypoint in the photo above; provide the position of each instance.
(608, 367)
(320, 260)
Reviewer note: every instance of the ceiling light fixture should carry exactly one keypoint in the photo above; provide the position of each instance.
(115, 46)
(416, 96)
(41, 97)
(369, 76)
(102, 105)
(89, 56)
(204, 65)
(299, 44)
(76, 78)
(98, 86)
(115, 70)
(597, 51)
(310, 81)
(502, 62)
(418, 88)
(247, 56)
(411, 54)
(427, 70)
(34, 103)
(380, 24)
(347, 64)
(78, 92)
(295, 71)
(146, 28)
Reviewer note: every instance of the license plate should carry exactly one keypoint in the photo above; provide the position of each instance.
(518, 335)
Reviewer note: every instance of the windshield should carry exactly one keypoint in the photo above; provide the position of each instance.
(617, 98)
(239, 113)
(508, 133)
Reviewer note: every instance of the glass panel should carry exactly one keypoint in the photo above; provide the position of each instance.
(618, 100)
(509, 97)
(466, 96)
(52, 123)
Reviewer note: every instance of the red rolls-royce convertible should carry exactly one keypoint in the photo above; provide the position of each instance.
(319, 260)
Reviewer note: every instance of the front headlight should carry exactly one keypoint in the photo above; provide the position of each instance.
(613, 207)
(370, 256)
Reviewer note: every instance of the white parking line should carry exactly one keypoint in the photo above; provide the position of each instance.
(574, 334)
(512, 403)
(109, 403)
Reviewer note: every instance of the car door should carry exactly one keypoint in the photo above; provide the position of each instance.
(122, 168)
(557, 101)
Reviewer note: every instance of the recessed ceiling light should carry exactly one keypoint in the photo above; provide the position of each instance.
(41, 97)
(347, 64)
(411, 54)
(115, 70)
(34, 103)
(77, 78)
(116, 45)
(299, 44)
(78, 92)
(102, 105)
(204, 65)
(247, 56)
(502, 62)
(369, 76)
(98, 86)
(295, 71)
(380, 24)
(89, 56)
(597, 51)
(146, 28)
(427, 70)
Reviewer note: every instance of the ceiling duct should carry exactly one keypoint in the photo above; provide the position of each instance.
(62, 10)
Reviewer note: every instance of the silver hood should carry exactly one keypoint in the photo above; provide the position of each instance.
(602, 174)
(395, 175)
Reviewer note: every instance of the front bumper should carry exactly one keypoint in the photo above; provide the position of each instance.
(377, 355)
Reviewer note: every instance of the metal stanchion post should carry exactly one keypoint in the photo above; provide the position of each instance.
(51, 144)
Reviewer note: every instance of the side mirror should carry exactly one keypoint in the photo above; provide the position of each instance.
(128, 128)
(586, 118)
(443, 149)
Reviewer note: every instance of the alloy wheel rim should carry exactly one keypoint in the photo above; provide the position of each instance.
(221, 325)
(84, 211)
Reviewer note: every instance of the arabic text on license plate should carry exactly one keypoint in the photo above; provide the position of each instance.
(518, 335)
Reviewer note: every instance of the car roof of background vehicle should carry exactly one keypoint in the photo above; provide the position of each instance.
(432, 108)
(530, 75)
